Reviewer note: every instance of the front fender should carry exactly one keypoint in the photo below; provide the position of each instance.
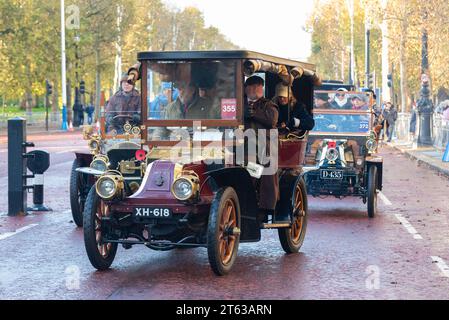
(378, 162)
(239, 179)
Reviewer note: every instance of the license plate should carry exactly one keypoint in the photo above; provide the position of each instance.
(159, 213)
(332, 174)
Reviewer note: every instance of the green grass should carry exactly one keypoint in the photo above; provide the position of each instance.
(13, 111)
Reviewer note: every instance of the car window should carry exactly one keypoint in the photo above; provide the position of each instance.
(342, 112)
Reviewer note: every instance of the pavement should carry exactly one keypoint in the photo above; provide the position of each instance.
(400, 254)
(428, 156)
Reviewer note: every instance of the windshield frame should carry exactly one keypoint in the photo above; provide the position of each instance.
(149, 123)
(369, 112)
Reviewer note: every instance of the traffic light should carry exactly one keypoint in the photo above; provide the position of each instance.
(370, 81)
(48, 87)
(390, 80)
(82, 87)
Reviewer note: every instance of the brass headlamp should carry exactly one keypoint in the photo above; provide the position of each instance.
(186, 186)
(100, 163)
(110, 186)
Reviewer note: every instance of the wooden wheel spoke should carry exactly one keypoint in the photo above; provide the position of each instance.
(222, 249)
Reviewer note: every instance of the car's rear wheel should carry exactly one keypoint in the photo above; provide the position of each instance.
(292, 238)
(223, 233)
(101, 255)
(77, 193)
(372, 191)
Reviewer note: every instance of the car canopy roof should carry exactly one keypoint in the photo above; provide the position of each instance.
(220, 55)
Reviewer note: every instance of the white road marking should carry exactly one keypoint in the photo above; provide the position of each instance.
(384, 199)
(408, 226)
(10, 234)
(441, 265)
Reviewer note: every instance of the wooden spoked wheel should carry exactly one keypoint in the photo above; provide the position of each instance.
(101, 254)
(227, 240)
(223, 230)
(292, 238)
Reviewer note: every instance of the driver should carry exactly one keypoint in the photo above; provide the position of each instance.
(123, 106)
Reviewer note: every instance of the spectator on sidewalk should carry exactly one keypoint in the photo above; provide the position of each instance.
(90, 111)
(445, 111)
(390, 115)
(413, 116)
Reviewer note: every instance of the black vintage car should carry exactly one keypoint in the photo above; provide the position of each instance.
(341, 155)
(175, 181)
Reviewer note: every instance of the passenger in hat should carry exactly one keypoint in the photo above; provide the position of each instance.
(158, 105)
(322, 100)
(284, 100)
(124, 106)
(300, 119)
(359, 102)
(189, 104)
(261, 113)
(341, 100)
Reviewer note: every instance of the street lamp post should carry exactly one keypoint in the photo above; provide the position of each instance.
(425, 104)
(367, 54)
(63, 69)
(77, 108)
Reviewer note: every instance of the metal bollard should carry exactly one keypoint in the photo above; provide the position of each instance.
(17, 159)
(38, 162)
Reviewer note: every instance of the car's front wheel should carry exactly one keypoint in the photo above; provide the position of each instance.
(77, 193)
(101, 254)
(223, 233)
(372, 191)
(292, 238)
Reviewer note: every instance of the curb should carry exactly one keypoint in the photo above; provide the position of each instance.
(422, 160)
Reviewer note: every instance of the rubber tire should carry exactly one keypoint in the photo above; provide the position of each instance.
(372, 191)
(213, 250)
(284, 234)
(77, 209)
(90, 242)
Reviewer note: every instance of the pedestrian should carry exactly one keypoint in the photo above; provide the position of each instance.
(78, 116)
(446, 112)
(413, 116)
(90, 111)
(390, 115)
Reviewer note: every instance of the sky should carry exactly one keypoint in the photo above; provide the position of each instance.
(280, 24)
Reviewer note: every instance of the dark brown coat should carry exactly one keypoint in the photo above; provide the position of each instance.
(265, 116)
(122, 103)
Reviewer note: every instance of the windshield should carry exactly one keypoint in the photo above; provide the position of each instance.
(190, 90)
(343, 112)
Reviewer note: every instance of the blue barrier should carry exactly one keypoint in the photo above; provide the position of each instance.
(446, 154)
(64, 118)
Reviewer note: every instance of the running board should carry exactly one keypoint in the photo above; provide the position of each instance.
(275, 225)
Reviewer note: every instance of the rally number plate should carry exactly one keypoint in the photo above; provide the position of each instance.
(331, 174)
(151, 212)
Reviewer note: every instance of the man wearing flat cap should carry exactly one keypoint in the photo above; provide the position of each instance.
(123, 106)
(261, 113)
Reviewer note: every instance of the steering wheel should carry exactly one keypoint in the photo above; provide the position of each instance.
(123, 116)
(119, 120)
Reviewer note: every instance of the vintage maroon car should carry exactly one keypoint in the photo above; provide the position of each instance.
(170, 180)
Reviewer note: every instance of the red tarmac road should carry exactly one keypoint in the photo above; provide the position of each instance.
(400, 254)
